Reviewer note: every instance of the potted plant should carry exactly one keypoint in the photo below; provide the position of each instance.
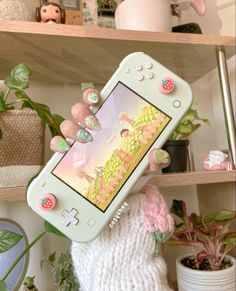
(177, 144)
(63, 271)
(22, 130)
(209, 267)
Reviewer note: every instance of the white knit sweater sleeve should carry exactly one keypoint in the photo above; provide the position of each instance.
(121, 258)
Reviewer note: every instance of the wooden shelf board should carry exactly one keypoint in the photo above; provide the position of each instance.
(15, 194)
(72, 54)
(192, 178)
(12, 194)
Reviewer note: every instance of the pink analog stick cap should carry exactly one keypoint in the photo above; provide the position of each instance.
(167, 85)
(47, 202)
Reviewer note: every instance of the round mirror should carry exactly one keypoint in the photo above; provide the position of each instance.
(14, 280)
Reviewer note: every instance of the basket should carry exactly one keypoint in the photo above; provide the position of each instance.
(21, 147)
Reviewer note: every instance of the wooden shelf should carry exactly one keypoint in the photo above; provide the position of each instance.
(16, 194)
(12, 194)
(72, 54)
(192, 178)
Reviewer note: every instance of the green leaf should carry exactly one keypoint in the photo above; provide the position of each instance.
(2, 102)
(52, 257)
(3, 286)
(50, 228)
(19, 78)
(230, 239)
(189, 116)
(196, 219)
(57, 120)
(3, 106)
(219, 216)
(42, 110)
(8, 240)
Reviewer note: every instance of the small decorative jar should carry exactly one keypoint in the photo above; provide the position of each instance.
(147, 15)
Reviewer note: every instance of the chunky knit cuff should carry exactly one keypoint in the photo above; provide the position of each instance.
(121, 258)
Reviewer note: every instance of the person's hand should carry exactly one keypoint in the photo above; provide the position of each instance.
(84, 119)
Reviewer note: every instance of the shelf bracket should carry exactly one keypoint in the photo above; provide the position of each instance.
(227, 102)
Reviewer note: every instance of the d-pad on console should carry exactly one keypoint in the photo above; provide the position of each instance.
(70, 217)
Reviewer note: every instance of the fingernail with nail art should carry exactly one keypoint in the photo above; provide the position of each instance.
(92, 123)
(62, 146)
(93, 98)
(84, 136)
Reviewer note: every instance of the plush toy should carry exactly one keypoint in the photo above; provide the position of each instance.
(50, 12)
(216, 161)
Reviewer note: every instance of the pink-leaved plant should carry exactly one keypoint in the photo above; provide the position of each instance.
(210, 236)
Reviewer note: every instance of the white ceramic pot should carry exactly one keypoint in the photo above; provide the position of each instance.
(194, 280)
(148, 15)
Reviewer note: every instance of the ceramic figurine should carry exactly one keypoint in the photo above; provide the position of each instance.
(154, 15)
(179, 5)
(50, 12)
(216, 161)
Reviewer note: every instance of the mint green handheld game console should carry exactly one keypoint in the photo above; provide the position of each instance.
(78, 192)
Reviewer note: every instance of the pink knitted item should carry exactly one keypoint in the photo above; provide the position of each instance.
(157, 218)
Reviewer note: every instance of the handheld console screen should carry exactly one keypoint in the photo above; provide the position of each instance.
(98, 170)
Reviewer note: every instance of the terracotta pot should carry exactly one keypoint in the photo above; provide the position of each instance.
(194, 280)
(148, 15)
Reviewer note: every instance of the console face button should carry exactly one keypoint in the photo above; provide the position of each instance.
(47, 202)
(167, 85)
(70, 216)
(140, 77)
(91, 222)
(149, 65)
(150, 75)
(138, 67)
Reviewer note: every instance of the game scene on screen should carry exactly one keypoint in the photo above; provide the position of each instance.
(97, 170)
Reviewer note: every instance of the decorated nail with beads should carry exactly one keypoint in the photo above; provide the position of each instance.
(91, 96)
(84, 136)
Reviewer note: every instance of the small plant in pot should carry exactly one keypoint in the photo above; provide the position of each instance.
(22, 126)
(178, 142)
(209, 267)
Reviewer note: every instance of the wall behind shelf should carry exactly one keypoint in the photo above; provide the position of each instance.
(219, 19)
